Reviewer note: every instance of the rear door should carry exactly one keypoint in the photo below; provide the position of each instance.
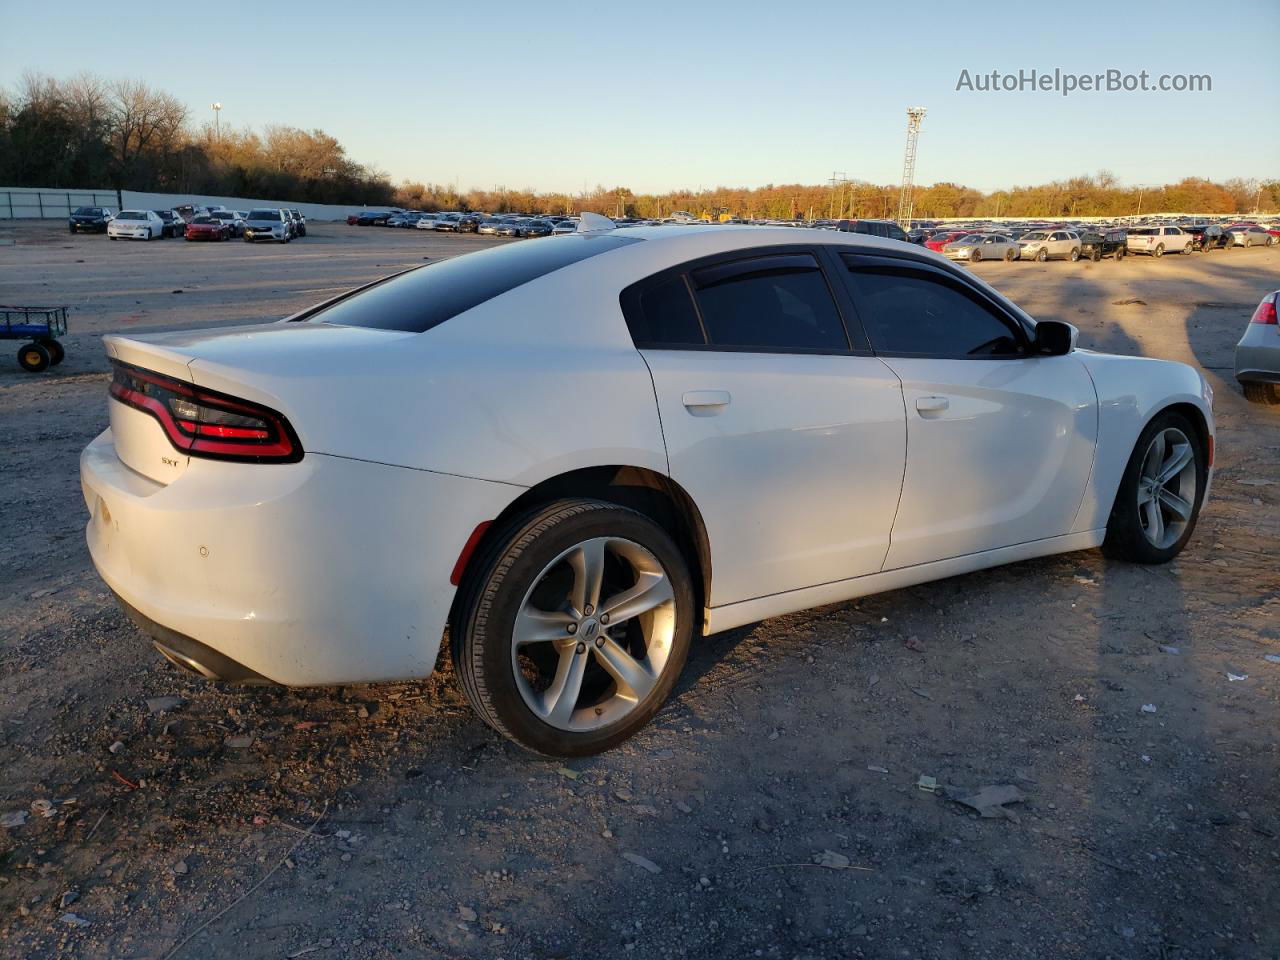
(1000, 442)
(786, 432)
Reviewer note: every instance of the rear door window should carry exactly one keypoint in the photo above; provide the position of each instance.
(769, 303)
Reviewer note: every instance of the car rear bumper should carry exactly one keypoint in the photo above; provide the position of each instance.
(1258, 355)
(323, 571)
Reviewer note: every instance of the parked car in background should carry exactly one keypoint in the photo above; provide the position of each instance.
(489, 225)
(447, 222)
(508, 228)
(373, 218)
(208, 227)
(135, 225)
(1258, 353)
(469, 223)
(268, 223)
(565, 226)
(353, 219)
(1208, 236)
(1157, 241)
(174, 225)
(537, 228)
(882, 417)
(299, 222)
(89, 220)
(875, 228)
(975, 247)
(233, 221)
(941, 238)
(1250, 235)
(1045, 245)
(427, 222)
(1096, 244)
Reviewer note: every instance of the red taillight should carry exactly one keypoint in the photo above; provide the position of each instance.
(1266, 312)
(204, 423)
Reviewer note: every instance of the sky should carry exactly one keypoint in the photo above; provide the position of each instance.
(658, 95)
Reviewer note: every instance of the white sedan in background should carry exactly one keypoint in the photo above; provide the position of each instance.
(582, 454)
(136, 225)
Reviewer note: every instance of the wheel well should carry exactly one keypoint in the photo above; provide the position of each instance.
(656, 496)
(1194, 414)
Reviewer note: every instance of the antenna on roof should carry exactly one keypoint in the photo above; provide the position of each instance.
(594, 223)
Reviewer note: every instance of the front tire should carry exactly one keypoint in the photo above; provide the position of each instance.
(1160, 494)
(1042, 255)
(975, 256)
(1158, 252)
(573, 627)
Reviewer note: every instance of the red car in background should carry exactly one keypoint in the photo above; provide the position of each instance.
(353, 219)
(208, 228)
(940, 240)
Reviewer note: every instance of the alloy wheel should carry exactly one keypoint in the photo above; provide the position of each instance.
(593, 634)
(1167, 488)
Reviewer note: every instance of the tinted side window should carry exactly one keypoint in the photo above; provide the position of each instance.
(915, 312)
(778, 302)
(430, 295)
(665, 315)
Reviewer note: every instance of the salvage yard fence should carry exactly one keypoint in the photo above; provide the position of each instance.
(55, 204)
(46, 203)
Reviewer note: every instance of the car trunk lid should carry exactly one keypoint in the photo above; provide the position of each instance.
(274, 365)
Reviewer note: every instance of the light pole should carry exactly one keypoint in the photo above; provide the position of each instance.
(217, 126)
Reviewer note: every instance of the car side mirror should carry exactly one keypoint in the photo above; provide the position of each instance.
(1054, 338)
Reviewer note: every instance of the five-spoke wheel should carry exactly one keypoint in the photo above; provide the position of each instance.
(573, 625)
(1160, 494)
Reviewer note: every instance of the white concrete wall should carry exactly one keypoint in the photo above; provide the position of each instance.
(34, 202)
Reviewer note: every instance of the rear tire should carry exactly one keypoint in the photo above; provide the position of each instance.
(527, 575)
(33, 357)
(1158, 252)
(1096, 255)
(1128, 527)
(1009, 255)
(1264, 393)
(1074, 255)
(56, 353)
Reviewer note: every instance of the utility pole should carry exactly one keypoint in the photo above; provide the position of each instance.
(835, 178)
(906, 200)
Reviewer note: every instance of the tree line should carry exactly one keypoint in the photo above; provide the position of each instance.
(1100, 195)
(86, 132)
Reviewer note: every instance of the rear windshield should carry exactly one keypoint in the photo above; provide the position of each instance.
(264, 215)
(430, 295)
(1143, 232)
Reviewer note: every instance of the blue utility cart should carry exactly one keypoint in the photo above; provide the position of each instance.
(42, 326)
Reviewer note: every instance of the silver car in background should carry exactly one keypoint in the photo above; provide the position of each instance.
(982, 246)
(1045, 245)
(1250, 235)
(1258, 353)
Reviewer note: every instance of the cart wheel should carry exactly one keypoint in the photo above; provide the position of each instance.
(56, 353)
(33, 357)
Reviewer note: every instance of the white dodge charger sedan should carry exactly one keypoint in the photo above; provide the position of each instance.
(581, 454)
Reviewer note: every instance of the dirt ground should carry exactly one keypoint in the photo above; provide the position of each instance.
(771, 810)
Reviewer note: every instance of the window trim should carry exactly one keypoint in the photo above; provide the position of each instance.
(954, 279)
(631, 296)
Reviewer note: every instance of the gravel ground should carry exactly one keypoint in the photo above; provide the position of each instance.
(772, 809)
